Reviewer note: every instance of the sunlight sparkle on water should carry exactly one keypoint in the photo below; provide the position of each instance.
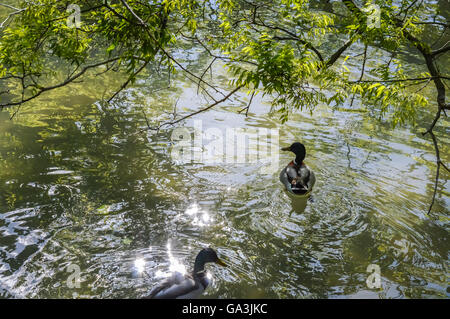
(174, 267)
(139, 264)
(192, 210)
(201, 218)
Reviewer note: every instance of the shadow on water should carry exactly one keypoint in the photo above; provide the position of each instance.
(298, 202)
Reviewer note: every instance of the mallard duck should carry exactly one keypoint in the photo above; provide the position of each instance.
(187, 286)
(296, 176)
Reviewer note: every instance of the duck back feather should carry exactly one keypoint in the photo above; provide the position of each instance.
(179, 286)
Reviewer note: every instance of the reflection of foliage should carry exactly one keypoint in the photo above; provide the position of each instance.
(63, 161)
(10, 199)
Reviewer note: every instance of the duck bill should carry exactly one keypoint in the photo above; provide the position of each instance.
(220, 262)
(286, 149)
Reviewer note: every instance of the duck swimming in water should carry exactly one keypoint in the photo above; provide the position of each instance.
(188, 286)
(296, 176)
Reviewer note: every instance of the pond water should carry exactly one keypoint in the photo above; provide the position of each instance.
(84, 186)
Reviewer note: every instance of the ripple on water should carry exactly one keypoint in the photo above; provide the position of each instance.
(128, 214)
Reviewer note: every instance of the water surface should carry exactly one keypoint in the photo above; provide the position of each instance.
(80, 184)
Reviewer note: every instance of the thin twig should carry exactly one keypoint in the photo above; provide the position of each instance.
(248, 105)
(130, 78)
(362, 71)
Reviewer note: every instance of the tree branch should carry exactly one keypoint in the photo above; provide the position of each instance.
(17, 11)
(400, 80)
(144, 25)
(292, 35)
(342, 49)
(130, 78)
(428, 55)
(226, 97)
(442, 50)
(247, 108)
(67, 81)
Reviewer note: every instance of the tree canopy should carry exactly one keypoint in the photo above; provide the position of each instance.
(293, 51)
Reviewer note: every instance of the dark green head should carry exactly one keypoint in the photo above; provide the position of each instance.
(298, 149)
(206, 255)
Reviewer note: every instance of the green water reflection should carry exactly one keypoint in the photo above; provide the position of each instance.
(81, 184)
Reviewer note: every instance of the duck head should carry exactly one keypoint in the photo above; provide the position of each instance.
(298, 149)
(206, 255)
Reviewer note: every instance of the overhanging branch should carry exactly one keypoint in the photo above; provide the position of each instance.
(64, 83)
(429, 57)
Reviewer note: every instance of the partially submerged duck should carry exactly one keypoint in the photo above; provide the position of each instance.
(296, 176)
(188, 286)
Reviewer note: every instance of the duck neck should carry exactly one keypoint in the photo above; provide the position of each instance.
(298, 161)
(199, 265)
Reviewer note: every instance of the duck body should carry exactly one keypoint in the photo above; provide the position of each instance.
(298, 178)
(179, 286)
(187, 286)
